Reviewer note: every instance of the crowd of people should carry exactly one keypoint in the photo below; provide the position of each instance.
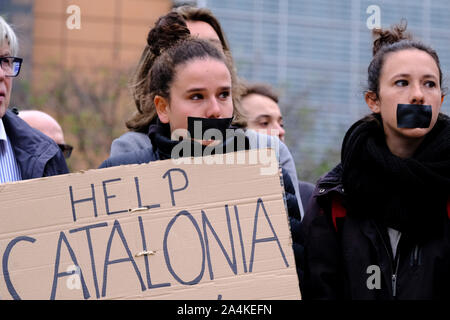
(386, 204)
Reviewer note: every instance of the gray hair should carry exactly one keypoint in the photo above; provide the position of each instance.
(7, 34)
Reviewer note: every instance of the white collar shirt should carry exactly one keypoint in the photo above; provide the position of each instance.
(9, 169)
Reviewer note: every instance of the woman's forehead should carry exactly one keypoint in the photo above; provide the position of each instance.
(410, 61)
(202, 70)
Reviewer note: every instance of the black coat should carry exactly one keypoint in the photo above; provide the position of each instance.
(37, 155)
(341, 262)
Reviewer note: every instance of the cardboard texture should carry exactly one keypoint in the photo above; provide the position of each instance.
(150, 231)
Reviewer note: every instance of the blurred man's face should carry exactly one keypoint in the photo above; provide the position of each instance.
(263, 115)
(5, 82)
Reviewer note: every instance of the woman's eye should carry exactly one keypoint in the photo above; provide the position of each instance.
(224, 95)
(264, 124)
(196, 96)
(401, 83)
(430, 84)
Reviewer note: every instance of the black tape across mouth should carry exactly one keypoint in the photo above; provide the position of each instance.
(413, 116)
(198, 126)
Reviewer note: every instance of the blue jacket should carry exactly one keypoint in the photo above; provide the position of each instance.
(37, 155)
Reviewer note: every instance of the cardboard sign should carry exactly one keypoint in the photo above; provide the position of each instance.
(156, 231)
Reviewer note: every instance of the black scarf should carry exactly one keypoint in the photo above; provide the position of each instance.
(409, 195)
(159, 134)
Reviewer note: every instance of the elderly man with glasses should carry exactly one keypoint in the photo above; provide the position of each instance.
(25, 153)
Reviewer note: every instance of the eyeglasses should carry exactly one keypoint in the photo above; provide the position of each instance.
(11, 65)
(66, 150)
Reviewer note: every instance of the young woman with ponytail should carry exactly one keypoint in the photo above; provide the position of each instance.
(379, 225)
(187, 77)
(202, 24)
(191, 78)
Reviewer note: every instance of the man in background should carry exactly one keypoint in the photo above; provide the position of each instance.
(47, 125)
(260, 103)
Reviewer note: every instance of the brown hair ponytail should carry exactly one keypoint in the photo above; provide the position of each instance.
(168, 30)
(391, 40)
(389, 36)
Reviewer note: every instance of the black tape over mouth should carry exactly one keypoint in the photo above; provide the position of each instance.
(413, 116)
(205, 124)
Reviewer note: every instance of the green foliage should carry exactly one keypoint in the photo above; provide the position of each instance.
(91, 109)
(299, 121)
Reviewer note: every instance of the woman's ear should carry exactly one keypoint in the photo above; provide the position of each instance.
(372, 101)
(162, 106)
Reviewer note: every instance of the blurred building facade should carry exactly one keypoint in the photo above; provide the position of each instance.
(317, 54)
(111, 33)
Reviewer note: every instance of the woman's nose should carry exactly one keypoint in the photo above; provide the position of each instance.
(213, 110)
(417, 96)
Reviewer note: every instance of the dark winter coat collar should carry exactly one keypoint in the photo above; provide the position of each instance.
(409, 195)
(332, 181)
(32, 149)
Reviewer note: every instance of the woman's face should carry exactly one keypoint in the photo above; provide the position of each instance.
(407, 77)
(200, 88)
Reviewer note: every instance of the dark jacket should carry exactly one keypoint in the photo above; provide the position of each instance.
(154, 153)
(37, 155)
(342, 261)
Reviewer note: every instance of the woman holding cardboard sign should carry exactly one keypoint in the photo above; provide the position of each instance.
(201, 23)
(191, 84)
(379, 227)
